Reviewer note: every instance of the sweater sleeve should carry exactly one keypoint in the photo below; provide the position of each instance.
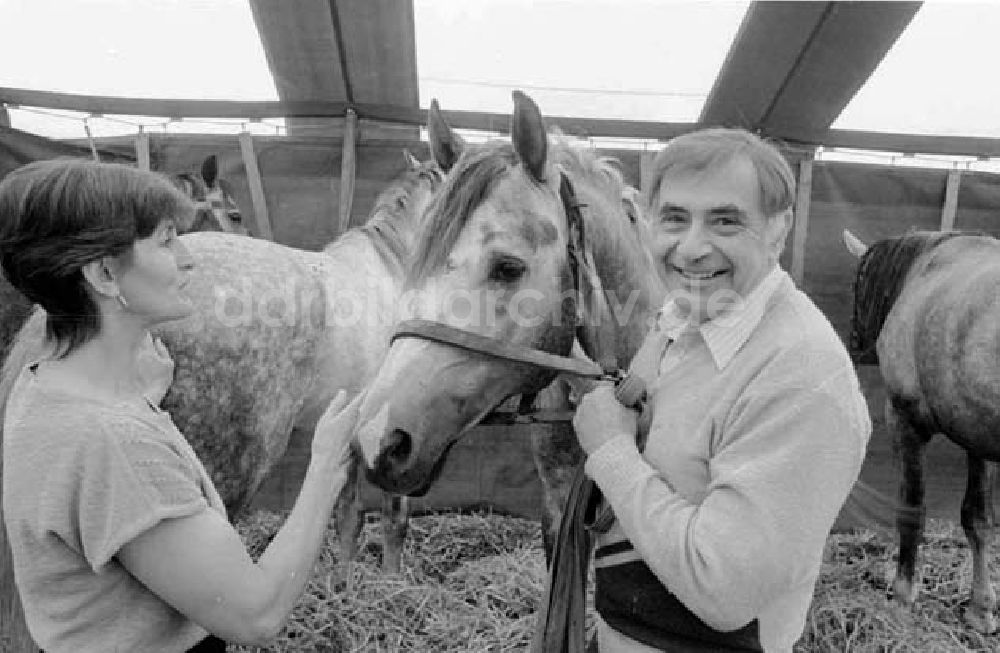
(787, 456)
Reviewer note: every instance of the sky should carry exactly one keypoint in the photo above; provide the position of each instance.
(630, 59)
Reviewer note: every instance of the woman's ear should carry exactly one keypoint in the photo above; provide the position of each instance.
(100, 275)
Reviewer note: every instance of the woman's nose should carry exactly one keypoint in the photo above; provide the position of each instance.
(184, 259)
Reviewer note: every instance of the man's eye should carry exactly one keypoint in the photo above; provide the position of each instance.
(727, 223)
(507, 270)
(673, 220)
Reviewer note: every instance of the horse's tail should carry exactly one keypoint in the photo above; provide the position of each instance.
(14, 635)
(881, 273)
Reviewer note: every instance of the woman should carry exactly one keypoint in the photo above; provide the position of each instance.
(119, 539)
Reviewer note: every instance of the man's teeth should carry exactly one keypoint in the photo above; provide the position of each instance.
(700, 276)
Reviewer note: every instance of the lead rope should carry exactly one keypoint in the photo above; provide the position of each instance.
(561, 625)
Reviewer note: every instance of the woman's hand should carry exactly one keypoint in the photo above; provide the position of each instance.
(156, 369)
(335, 430)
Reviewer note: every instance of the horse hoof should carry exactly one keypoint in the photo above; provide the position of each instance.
(983, 623)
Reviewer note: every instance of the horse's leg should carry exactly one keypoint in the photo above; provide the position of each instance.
(911, 514)
(395, 512)
(977, 510)
(350, 516)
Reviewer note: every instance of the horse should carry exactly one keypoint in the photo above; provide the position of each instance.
(276, 332)
(925, 304)
(216, 210)
(526, 248)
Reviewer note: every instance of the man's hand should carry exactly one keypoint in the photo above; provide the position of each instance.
(600, 417)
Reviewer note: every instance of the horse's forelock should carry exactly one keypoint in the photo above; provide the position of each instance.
(470, 183)
(191, 185)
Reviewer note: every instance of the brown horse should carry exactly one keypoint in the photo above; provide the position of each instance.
(277, 331)
(530, 245)
(926, 305)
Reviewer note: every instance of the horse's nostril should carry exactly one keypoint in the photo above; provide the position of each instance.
(398, 449)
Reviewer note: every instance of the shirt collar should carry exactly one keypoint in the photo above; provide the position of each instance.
(725, 334)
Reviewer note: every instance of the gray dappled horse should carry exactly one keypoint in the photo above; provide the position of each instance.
(926, 305)
(276, 332)
(527, 245)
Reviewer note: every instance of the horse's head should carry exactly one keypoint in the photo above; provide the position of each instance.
(525, 246)
(215, 208)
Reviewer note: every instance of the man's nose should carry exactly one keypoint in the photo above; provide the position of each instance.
(694, 243)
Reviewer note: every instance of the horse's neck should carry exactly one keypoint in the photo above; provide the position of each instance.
(634, 294)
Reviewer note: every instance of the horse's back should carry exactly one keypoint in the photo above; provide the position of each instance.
(245, 361)
(940, 344)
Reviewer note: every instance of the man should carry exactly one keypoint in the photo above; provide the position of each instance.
(758, 431)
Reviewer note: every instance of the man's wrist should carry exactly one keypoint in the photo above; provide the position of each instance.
(613, 464)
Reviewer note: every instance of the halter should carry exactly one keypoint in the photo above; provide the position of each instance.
(500, 349)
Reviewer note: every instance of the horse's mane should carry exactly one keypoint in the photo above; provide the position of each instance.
(881, 273)
(390, 224)
(611, 239)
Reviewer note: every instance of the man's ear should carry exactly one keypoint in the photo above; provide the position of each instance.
(100, 276)
(778, 228)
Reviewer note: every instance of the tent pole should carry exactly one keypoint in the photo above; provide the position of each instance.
(950, 207)
(348, 169)
(256, 185)
(142, 149)
(801, 228)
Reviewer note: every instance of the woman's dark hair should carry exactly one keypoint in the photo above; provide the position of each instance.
(57, 216)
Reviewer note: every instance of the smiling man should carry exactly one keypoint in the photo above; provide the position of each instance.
(758, 431)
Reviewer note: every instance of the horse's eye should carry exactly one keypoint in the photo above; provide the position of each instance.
(507, 270)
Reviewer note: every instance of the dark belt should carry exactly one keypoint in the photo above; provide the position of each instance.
(633, 601)
(210, 644)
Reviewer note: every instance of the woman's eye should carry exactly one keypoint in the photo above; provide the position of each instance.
(507, 270)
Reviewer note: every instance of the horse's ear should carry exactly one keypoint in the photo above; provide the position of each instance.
(446, 145)
(854, 244)
(210, 170)
(412, 164)
(527, 131)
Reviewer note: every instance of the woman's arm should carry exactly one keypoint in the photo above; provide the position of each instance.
(198, 564)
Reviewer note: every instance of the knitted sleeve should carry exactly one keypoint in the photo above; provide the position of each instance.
(126, 478)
